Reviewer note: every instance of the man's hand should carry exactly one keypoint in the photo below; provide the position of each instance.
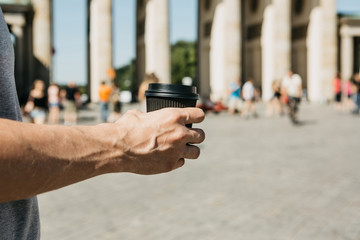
(40, 158)
(158, 141)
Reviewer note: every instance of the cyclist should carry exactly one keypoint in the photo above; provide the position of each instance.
(292, 87)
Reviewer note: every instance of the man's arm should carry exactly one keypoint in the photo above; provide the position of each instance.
(39, 158)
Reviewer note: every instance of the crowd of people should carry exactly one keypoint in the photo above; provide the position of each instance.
(242, 99)
(44, 105)
(347, 94)
(287, 95)
(51, 100)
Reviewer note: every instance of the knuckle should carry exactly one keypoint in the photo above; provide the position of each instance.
(133, 112)
(181, 134)
(175, 115)
(136, 112)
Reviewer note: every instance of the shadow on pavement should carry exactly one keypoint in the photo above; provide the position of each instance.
(300, 123)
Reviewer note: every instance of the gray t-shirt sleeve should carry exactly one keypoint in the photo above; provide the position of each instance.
(19, 220)
(9, 104)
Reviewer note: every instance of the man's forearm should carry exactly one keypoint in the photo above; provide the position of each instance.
(36, 159)
(39, 158)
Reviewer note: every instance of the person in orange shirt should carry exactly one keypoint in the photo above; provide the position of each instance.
(104, 97)
(337, 91)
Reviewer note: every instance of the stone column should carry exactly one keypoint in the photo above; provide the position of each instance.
(322, 51)
(282, 37)
(140, 41)
(347, 50)
(233, 43)
(101, 44)
(276, 44)
(219, 47)
(329, 43)
(157, 46)
(203, 52)
(217, 54)
(314, 56)
(42, 38)
(268, 51)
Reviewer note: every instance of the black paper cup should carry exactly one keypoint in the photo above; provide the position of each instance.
(161, 95)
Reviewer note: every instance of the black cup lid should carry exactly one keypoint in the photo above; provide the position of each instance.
(171, 91)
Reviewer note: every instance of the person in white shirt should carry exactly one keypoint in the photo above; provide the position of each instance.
(292, 88)
(292, 85)
(248, 93)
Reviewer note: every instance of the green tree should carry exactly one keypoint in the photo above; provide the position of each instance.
(125, 76)
(183, 61)
(183, 64)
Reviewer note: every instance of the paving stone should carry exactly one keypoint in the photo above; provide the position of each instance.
(257, 179)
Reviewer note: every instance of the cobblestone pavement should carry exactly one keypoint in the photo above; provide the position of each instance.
(256, 179)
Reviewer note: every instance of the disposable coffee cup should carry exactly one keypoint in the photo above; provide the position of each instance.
(161, 95)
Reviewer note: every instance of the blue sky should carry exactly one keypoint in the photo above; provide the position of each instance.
(348, 6)
(70, 29)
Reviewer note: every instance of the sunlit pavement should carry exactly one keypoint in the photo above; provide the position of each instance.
(255, 179)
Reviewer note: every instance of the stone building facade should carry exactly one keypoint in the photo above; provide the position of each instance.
(31, 27)
(262, 40)
(237, 40)
(276, 35)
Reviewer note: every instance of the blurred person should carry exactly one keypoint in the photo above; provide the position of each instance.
(235, 101)
(284, 99)
(149, 78)
(248, 93)
(104, 97)
(39, 158)
(115, 94)
(71, 101)
(356, 82)
(292, 88)
(62, 98)
(115, 100)
(337, 91)
(54, 103)
(116, 112)
(37, 103)
(275, 102)
(349, 104)
(257, 94)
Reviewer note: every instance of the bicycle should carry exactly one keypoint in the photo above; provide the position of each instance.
(293, 105)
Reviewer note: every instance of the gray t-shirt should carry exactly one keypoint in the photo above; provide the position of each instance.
(19, 220)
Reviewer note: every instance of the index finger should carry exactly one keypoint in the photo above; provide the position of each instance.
(191, 115)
